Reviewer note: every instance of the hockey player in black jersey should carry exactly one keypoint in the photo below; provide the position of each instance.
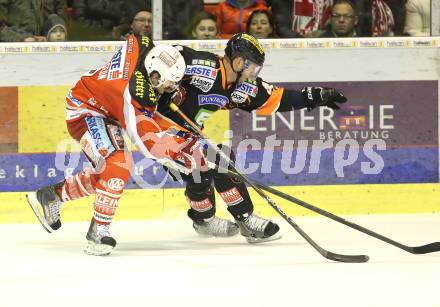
(212, 83)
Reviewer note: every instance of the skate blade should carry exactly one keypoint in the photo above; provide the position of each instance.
(35, 205)
(208, 235)
(95, 249)
(253, 240)
(205, 234)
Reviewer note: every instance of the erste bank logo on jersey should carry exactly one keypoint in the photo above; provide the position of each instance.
(116, 65)
(201, 71)
(248, 88)
(243, 91)
(115, 68)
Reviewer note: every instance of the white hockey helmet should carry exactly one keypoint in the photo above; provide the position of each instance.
(167, 61)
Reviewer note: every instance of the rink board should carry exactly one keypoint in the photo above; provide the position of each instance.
(395, 103)
(377, 111)
(164, 203)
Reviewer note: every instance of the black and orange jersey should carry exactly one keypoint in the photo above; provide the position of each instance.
(206, 90)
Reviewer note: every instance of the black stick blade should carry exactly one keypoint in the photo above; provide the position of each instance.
(346, 258)
(425, 249)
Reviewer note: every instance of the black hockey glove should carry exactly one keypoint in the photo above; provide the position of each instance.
(322, 96)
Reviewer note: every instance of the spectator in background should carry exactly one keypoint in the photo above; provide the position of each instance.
(418, 18)
(203, 26)
(132, 7)
(375, 18)
(261, 24)
(55, 29)
(141, 24)
(96, 19)
(55, 7)
(23, 20)
(232, 15)
(343, 21)
(300, 18)
(177, 16)
(398, 9)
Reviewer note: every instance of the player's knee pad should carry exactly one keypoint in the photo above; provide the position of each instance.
(200, 196)
(201, 185)
(234, 193)
(118, 164)
(228, 151)
(223, 163)
(221, 175)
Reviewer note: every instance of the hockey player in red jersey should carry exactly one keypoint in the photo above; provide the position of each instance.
(212, 83)
(121, 95)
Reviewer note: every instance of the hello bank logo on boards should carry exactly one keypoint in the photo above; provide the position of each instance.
(214, 99)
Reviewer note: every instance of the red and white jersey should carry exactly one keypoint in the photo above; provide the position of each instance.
(103, 91)
(121, 92)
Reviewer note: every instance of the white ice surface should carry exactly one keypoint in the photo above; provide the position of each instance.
(164, 263)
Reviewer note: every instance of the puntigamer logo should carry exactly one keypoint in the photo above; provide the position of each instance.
(213, 99)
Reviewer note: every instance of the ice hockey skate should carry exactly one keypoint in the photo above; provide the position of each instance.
(216, 227)
(100, 241)
(46, 205)
(257, 229)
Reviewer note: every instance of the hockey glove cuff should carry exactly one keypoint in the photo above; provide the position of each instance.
(322, 96)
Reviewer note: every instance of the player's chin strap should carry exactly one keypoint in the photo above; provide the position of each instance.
(238, 76)
(239, 73)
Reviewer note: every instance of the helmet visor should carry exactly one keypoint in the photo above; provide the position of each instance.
(251, 69)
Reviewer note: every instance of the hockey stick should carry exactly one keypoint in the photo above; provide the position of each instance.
(326, 254)
(423, 249)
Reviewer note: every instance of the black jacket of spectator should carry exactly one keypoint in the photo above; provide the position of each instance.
(328, 33)
(132, 7)
(398, 9)
(177, 15)
(282, 12)
(55, 7)
(365, 17)
(99, 13)
(365, 7)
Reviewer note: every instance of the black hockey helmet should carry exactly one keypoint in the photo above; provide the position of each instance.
(246, 45)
